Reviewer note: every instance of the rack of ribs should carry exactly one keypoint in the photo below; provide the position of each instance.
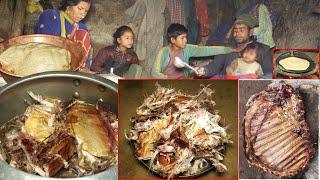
(275, 130)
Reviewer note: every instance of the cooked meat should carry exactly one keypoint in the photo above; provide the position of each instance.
(178, 134)
(45, 139)
(276, 133)
(48, 158)
(90, 129)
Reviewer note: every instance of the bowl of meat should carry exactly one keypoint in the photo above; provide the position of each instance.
(59, 124)
(177, 133)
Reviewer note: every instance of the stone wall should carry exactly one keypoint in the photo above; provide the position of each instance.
(298, 28)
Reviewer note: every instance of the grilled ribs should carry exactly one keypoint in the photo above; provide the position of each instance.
(276, 133)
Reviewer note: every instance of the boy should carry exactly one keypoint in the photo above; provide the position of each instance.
(177, 36)
(246, 65)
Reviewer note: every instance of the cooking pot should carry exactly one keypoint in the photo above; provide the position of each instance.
(295, 73)
(62, 85)
(77, 53)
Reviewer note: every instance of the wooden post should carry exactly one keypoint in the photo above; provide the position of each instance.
(18, 18)
(6, 14)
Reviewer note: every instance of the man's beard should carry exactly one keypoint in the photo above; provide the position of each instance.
(243, 41)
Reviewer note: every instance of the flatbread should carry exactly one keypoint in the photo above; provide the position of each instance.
(31, 58)
(294, 64)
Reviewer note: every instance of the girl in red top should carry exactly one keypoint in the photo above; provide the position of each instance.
(119, 56)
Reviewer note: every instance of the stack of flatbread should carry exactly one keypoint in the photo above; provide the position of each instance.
(31, 58)
(294, 64)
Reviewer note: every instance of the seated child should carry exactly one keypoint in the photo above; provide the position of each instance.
(246, 65)
(119, 56)
(177, 37)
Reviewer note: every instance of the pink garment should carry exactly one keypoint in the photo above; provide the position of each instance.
(172, 71)
(202, 16)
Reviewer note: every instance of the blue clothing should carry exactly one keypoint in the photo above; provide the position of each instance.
(49, 23)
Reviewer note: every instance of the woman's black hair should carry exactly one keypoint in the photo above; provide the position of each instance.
(119, 32)
(175, 30)
(66, 3)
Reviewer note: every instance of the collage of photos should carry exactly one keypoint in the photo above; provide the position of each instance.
(159, 89)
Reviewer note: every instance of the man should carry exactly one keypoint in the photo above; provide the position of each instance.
(242, 35)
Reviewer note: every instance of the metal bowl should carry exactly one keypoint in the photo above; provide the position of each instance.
(62, 85)
(77, 53)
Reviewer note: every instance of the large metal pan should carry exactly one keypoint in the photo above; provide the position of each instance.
(294, 73)
(62, 85)
(77, 53)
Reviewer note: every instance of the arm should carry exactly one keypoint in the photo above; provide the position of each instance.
(232, 67)
(99, 62)
(200, 51)
(259, 72)
(215, 67)
(156, 69)
(48, 23)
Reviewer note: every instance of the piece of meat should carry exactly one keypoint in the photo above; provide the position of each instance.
(91, 128)
(48, 158)
(276, 133)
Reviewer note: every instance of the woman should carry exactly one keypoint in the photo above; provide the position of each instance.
(119, 56)
(66, 22)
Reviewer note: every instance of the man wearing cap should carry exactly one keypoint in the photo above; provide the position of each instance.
(242, 35)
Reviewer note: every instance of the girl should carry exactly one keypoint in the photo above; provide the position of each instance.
(119, 56)
(247, 66)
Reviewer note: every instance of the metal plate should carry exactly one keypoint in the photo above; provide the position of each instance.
(299, 55)
(77, 53)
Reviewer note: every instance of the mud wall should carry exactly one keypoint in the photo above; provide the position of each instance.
(297, 27)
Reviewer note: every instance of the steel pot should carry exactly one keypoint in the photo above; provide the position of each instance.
(62, 85)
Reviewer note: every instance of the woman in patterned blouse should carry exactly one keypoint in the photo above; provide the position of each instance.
(66, 22)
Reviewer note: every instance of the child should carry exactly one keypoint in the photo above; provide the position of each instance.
(177, 36)
(246, 65)
(120, 56)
